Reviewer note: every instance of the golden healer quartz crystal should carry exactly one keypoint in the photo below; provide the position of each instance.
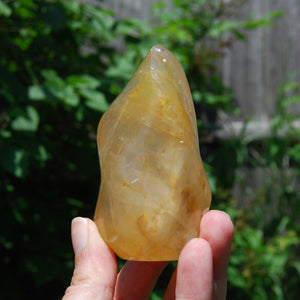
(154, 189)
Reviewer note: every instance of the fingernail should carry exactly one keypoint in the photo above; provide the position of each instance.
(79, 234)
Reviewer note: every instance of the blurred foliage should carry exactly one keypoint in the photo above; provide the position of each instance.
(265, 262)
(62, 63)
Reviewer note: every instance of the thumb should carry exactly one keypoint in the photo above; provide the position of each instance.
(95, 271)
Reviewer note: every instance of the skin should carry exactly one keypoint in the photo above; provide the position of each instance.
(201, 271)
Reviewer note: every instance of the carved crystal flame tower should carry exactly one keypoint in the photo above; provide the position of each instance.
(154, 189)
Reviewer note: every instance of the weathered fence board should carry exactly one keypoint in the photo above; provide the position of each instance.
(257, 68)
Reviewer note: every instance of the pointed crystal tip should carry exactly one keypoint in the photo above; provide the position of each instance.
(157, 48)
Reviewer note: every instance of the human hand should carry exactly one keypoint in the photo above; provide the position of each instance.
(201, 271)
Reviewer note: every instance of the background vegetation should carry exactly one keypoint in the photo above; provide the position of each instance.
(60, 69)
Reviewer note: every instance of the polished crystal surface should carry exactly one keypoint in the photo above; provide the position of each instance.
(153, 189)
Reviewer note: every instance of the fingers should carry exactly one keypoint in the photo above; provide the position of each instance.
(194, 273)
(95, 265)
(201, 271)
(137, 279)
(217, 229)
(202, 267)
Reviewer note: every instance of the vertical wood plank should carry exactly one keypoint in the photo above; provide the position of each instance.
(256, 69)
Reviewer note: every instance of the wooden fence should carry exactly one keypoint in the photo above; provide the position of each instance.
(254, 69)
(257, 68)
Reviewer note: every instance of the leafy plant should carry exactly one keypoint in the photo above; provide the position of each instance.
(265, 261)
(54, 55)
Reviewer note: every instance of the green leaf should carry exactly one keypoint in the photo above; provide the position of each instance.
(254, 239)
(240, 35)
(36, 92)
(83, 81)
(275, 14)
(5, 133)
(211, 177)
(257, 23)
(28, 122)
(73, 6)
(69, 96)
(290, 86)
(99, 21)
(25, 8)
(133, 27)
(123, 67)
(51, 76)
(294, 153)
(296, 265)
(14, 161)
(18, 215)
(59, 88)
(220, 27)
(75, 202)
(79, 114)
(5, 10)
(197, 96)
(94, 100)
(235, 278)
(42, 153)
(266, 20)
